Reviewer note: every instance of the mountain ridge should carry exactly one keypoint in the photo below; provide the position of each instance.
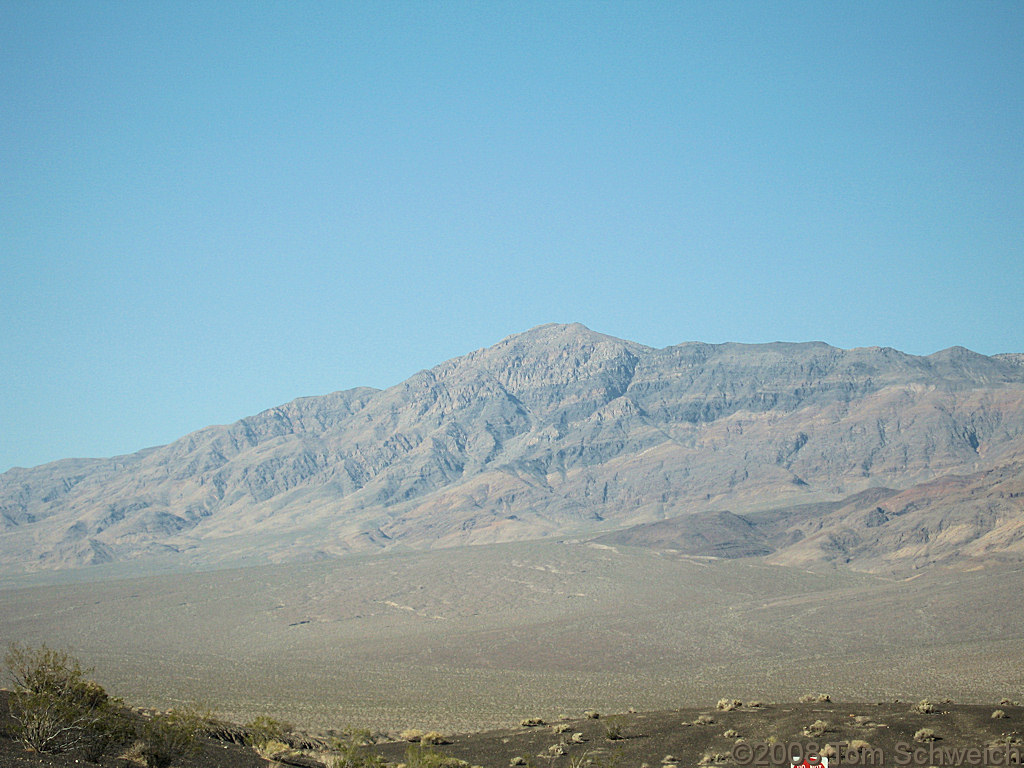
(557, 431)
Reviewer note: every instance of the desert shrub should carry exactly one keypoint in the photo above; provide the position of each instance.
(755, 704)
(54, 706)
(728, 705)
(557, 750)
(560, 727)
(924, 734)
(924, 707)
(351, 751)
(713, 757)
(857, 745)
(612, 729)
(817, 728)
(425, 757)
(704, 720)
(263, 730)
(732, 733)
(433, 738)
(269, 748)
(531, 722)
(999, 715)
(592, 714)
(168, 736)
(114, 728)
(577, 738)
(411, 734)
(815, 698)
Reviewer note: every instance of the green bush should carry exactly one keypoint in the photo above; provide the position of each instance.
(352, 751)
(424, 757)
(54, 706)
(168, 736)
(263, 730)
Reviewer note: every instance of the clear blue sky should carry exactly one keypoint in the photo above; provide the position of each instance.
(207, 209)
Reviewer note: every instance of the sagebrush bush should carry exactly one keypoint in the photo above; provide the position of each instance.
(924, 707)
(728, 705)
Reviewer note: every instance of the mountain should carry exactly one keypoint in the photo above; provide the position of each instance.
(561, 431)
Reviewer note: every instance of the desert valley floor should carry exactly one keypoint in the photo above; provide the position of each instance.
(480, 637)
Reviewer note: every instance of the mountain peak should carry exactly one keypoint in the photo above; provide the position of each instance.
(557, 430)
(554, 332)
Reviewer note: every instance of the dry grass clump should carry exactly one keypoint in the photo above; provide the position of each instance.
(857, 745)
(268, 749)
(713, 757)
(613, 729)
(815, 698)
(924, 707)
(560, 727)
(592, 714)
(925, 734)
(704, 720)
(817, 728)
(732, 733)
(411, 734)
(419, 757)
(531, 722)
(728, 705)
(433, 737)
(577, 738)
(755, 704)
(999, 715)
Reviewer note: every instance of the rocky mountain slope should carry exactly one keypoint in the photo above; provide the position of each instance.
(561, 431)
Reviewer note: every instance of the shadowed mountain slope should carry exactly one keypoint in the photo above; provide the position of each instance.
(561, 431)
